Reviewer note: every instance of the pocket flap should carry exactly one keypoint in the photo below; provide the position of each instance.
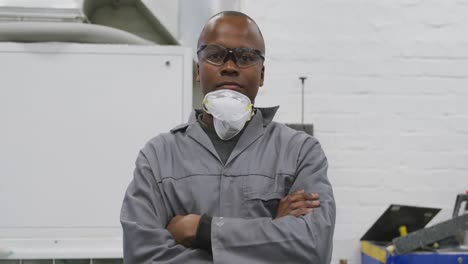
(265, 196)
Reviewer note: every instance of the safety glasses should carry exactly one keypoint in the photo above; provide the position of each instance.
(218, 55)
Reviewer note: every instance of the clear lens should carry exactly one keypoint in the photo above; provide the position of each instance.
(246, 57)
(214, 54)
(243, 57)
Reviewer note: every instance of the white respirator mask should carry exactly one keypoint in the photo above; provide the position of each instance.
(230, 111)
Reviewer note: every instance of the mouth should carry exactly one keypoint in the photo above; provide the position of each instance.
(230, 86)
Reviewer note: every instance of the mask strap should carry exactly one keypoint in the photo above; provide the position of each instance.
(252, 112)
(204, 103)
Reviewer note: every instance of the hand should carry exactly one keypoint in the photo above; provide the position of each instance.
(297, 203)
(183, 228)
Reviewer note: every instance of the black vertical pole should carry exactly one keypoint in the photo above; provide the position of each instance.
(302, 105)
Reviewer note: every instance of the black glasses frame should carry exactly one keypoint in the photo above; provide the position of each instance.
(230, 53)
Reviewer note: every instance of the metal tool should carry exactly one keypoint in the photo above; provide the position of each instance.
(463, 236)
(435, 233)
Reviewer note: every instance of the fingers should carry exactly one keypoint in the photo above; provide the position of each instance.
(304, 196)
(301, 203)
(312, 196)
(298, 203)
(300, 211)
(304, 204)
(301, 196)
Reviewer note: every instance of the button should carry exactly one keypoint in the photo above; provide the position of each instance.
(220, 222)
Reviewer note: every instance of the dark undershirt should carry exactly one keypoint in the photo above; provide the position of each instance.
(224, 149)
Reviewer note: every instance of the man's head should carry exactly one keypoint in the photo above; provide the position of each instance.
(231, 30)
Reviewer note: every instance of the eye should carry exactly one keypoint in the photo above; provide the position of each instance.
(214, 56)
(248, 57)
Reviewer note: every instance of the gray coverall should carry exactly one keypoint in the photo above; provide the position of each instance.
(180, 173)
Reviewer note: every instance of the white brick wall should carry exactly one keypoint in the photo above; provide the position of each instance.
(387, 91)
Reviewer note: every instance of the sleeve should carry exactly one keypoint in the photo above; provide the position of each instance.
(289, 239)
(144, 216)
(203, 236)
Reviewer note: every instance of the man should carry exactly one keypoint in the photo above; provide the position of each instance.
(231, 185)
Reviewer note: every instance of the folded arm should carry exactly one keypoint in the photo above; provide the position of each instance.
(144, 217)
(297, 235)
(289, 239)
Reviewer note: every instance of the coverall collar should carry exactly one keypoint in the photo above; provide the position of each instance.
(252, 132)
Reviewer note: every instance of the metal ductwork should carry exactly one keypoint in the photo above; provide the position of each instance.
(129, 15)
(93, 21)
(66, 32)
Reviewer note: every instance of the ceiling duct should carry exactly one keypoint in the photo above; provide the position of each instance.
(89, 21)
(129, 15)
(41, 11)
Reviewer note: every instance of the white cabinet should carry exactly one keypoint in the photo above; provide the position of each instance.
(72, 120)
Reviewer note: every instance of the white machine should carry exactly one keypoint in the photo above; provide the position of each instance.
(72, 120)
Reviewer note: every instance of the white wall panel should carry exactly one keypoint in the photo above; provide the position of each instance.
(73, 118)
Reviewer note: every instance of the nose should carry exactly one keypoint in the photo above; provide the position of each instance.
(229, 68)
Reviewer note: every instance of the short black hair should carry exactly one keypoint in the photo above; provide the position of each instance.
(234, 13)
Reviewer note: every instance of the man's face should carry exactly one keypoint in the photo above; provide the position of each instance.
(231, 32)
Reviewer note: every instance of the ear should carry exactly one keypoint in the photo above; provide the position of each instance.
(262, 76)
(198, 73)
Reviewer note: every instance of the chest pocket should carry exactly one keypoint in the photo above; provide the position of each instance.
(262, 194)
